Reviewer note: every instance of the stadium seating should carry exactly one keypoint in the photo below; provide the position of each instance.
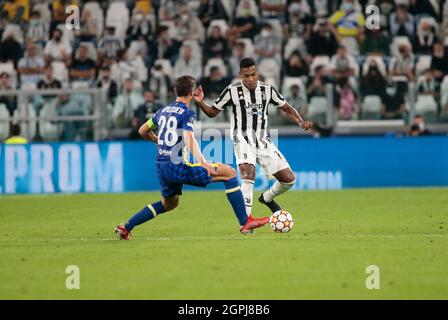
(49, 130)
(222, 24)
(97, 13)
(249, 46)
(371, 107)
(27, 110)
(426, 105)
(319, 61)
(143, 54)
(317, 109)
(60, 72)
(423, 64)
(4, 124)
(118, 16)
(215, 62)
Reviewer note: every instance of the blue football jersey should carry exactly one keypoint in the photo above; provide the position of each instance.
(171, 122)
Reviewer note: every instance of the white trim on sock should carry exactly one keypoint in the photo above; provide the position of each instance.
(277, 189)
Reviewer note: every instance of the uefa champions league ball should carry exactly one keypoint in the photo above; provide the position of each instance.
(281, 221)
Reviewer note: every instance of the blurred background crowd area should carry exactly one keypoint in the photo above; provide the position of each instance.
(319, 53)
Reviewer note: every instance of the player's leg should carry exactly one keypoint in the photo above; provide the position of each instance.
(227, 174)
(275, 164)
(152, 210)
(247, 173)
(170, 200)
(246, 159)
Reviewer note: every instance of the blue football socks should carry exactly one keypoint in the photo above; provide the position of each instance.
(147, 213)
(236, 199)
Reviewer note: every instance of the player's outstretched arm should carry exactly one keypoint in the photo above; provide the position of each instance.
(193, 147)
(147, 133)
(198, 97)
(295, 116)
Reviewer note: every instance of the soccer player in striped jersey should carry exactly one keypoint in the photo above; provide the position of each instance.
(171, 128)
(249, 100)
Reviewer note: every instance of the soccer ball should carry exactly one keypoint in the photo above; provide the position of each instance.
(281, 221)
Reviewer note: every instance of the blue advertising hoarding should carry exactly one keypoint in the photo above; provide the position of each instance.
(319, 164)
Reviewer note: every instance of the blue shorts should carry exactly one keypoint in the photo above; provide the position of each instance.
(173, 176)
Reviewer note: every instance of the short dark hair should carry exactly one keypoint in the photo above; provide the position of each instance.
(184, 85)
(214, 68)
(246, 63)
(15, 130)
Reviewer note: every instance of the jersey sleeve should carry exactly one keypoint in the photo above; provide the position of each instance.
(224, 100)
(276, 98)
(187, 122)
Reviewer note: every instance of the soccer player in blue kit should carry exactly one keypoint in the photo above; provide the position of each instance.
(174, 126)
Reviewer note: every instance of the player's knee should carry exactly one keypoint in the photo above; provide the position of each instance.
(170, 204)
(247, 173)
(231, 173)
(289, 178)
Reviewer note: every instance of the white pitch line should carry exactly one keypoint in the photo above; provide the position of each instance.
(252, 237)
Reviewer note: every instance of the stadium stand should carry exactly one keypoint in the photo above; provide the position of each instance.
(145, 44)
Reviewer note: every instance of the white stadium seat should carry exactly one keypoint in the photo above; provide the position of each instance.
(319, 61)
(221, 23)
(292, 45)
(118, 17)
(396, 41)
(248, 45)
(195, 47)
(371, 107)
(97, 14)
(91, 50)
(423, 63)
(426, 104)
(172, 29)
(317, 108)
(215, 62)
(444, 91)
(4, 124)
(60, 71)
(269, 68)
(50, 131)
(8, 67)
(276, 27)
(288, 82)
(27, 110)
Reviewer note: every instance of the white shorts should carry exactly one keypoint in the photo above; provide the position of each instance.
(269, 158)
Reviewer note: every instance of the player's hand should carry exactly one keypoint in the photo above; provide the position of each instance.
(211, 170)
(305, 125)
(198, 94)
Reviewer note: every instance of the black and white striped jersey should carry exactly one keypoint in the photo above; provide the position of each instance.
(249, 113)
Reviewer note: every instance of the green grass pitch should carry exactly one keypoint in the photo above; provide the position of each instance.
(196, 252)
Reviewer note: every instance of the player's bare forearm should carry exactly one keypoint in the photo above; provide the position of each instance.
(199, 96)
(193, 147)
(295, 116)
(210, 111)
(148, 134)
